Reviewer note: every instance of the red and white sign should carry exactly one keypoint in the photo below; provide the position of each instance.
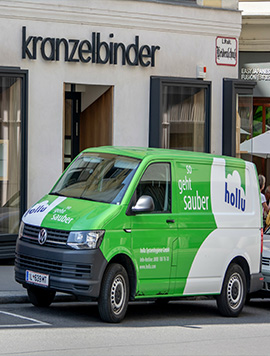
(226, 51)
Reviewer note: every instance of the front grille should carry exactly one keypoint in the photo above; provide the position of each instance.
(266, 261)
(54, 268)
(55, 238)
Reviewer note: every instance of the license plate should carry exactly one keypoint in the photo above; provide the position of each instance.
(39, 279)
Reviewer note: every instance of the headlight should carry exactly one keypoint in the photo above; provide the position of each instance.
(85, 239)
(20, 234)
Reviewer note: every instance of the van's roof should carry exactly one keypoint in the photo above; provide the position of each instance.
(161, 153)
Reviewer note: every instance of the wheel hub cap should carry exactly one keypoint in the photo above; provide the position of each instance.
(118, 294)
(235, 291)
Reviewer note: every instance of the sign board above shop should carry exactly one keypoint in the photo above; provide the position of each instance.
(226, 51)
(93, 50)
(254, 72)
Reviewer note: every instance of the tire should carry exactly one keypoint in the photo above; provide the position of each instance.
(40, 297)
(233, 295)
(114, 294)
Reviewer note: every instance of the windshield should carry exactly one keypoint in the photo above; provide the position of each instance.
(98, 177)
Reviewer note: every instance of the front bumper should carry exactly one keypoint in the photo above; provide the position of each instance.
(78, 272)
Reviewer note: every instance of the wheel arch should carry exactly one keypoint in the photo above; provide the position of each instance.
(242, 262)
(127, 263)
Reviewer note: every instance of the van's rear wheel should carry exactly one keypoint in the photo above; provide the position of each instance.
(114, 294)
(40, 297)
(233, 295)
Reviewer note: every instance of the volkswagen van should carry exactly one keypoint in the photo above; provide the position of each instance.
(126, 224)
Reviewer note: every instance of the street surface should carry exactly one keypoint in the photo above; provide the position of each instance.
(178, 328)
(185, 327)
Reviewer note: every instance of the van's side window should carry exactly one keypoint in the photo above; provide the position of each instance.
(156, 182)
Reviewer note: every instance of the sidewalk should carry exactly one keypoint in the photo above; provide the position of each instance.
(10, 290)
(13, 292)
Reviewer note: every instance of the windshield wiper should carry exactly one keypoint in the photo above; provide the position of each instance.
(83, 198)
(69, 196)
(58, 194)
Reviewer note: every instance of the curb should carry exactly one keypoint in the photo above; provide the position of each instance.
(15, 297)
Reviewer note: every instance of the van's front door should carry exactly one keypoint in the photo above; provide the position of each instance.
(153, 232)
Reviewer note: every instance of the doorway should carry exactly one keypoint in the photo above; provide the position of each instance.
(87, 118)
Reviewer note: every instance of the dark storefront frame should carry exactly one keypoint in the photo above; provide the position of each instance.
(156, 91)
(8, 241)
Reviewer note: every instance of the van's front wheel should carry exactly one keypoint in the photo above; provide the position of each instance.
(233, 295)
(114, 294)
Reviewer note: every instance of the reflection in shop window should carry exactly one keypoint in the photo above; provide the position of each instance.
(267, 119)
(10, 153)
(254, 118)
(184, 118)
(244, 122)
(261, 119)
(258, 120)
(261, 124)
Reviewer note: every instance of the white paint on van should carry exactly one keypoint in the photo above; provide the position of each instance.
(237, 234)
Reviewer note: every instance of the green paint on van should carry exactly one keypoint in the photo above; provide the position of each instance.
(162, 249)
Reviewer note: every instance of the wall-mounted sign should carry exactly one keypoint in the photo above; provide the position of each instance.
(226, 51)
(95, 50)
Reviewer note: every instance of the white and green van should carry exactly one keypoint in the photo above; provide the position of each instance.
(124, 224)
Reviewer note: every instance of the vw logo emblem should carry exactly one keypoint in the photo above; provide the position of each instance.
(42, 236)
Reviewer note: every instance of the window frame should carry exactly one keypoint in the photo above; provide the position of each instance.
(134, 198)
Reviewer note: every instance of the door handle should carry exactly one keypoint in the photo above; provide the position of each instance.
(170, 221)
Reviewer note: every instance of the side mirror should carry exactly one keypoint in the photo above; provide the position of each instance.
(145, 204)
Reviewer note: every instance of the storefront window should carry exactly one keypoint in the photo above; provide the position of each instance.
(254, 142)
(10, 153)
(181, 120)
(261, 121)
(261, 124)
(183, 125)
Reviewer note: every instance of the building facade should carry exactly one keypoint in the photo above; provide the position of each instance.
(254, 66)
(110, 72)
